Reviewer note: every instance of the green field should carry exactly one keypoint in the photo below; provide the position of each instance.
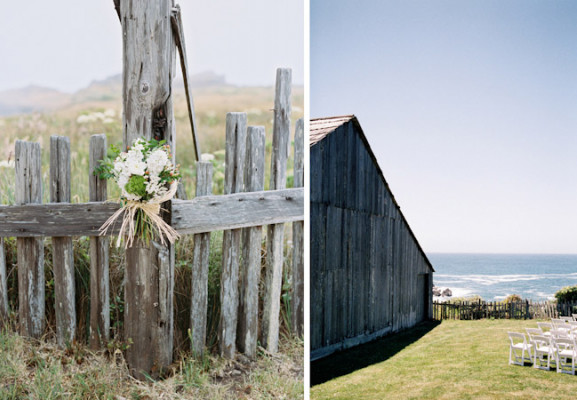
(448, 360)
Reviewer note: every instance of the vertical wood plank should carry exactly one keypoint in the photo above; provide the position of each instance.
(28, 171)
(99, 253)
(62, 250)
(298, 237)
(148, 68)
(4, 309)
(247, 331)
(199, 298)
(4, 306)
(234, 179)
(275, 233)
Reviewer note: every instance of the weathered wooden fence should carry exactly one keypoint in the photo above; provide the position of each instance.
(241, 212)
(498, 310)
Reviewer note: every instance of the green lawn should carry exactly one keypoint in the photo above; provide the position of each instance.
(450, 360)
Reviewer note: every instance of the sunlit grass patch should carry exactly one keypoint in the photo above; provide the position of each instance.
(454, 360)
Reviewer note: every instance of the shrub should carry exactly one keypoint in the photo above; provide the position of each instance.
(513, 298)
(567, 294)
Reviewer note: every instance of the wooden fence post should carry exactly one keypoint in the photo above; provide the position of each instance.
(275, 233)
(298, 237)
(62, 250)
(234, 177)
(199, 298)
(28, 169)
(247, 332)
(99, 249)
(4, 311)
(149, 57)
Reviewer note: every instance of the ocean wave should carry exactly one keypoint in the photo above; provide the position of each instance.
(447, 279)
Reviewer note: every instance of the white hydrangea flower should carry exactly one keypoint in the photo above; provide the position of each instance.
(157, 161)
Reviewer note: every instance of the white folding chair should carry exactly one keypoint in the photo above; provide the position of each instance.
(518, 348)
(574, 317)
(559, 333)
(544, 352)
(532, 332)
(560, 324)
(545, 327)
(566, 319)
(566, 353)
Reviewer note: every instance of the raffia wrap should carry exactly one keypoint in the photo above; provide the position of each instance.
(151, 209)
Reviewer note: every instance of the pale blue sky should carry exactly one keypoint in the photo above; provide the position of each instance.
(470, 108)
(68, 43)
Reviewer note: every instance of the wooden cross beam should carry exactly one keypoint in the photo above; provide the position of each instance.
(202, 214)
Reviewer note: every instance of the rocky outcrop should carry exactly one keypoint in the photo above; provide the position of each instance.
(438, 292)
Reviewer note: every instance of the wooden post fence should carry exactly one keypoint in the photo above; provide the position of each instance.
(199, 298)
(275, 233)
(4, 310)
(297, 310)
(247, 332)
(514, 310)
(149, 274)
(28, 169)
(233, 183)
(149, 57)
(62, 252)
(99, 252)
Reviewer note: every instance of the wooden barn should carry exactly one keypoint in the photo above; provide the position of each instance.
(368, 274)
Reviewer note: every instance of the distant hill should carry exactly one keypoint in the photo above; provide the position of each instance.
(40, 99)
(31, 99)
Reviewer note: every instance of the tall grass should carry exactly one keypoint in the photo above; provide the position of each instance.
(31, 369)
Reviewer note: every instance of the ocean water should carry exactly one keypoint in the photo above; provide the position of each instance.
(495, 276)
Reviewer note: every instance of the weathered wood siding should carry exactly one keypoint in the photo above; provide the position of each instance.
(368, 272)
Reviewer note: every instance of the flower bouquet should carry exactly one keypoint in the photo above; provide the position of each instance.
(146, 178)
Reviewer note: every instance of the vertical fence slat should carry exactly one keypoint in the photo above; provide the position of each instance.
(3, 287)
(275, 233)
(199, 298)
(247, 330)
(62, 250)
(28, 169)
(99, 249)
(235, 159)
(297, 312)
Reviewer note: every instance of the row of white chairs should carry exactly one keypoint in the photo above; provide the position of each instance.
(544, 349)
(559, 327)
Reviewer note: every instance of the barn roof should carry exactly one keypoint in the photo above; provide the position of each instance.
(322, 127)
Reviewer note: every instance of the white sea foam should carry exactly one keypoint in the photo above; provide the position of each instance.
(495, 279)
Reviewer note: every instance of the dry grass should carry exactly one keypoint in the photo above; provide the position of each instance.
(452, 360)
(34, 369)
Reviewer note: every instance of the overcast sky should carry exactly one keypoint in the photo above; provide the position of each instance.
(470, 108)
(65, 44)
